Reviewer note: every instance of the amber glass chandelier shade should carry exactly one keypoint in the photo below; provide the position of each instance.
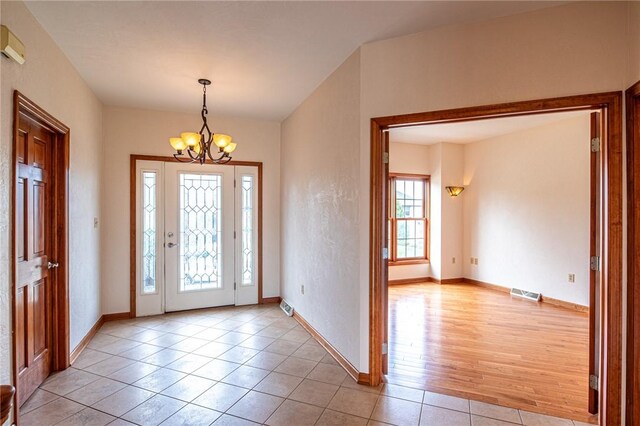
(221, 140)
(177, 144)
(190, 138)
(230, 148)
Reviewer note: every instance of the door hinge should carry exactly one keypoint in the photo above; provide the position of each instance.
(593, 382)
(234, 286)
(385, 158)
(385, 348)
(595, 263)
(234, 235)
(234, 183)
(385, 253)
(595, 145)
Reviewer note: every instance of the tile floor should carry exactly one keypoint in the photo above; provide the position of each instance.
(235, 366)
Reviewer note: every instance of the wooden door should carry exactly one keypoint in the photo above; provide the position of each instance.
(595, 276)
(33, 244)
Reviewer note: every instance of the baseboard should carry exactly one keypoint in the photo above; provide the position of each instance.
(486, 285)
(564, 304)
(364, 379)
(419, 280)
(85, 340)
(351, 370)
(92, 332)
(116, 316)
(545, 299)
(277, 299)
(416, 280)
(451, 281)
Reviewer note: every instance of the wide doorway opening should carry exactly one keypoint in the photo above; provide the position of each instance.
(451, 326)
(195, 236)
(499, 215)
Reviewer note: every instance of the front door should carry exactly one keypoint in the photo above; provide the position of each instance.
(199, 236)
(33, 245)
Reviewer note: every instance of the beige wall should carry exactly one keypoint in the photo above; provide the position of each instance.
(526, 209)
(452, 223)
(133, 131)
(320, 209)
(50, 80)
(534, 55)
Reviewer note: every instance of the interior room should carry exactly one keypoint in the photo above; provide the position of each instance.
(193, 221)
(512, 188)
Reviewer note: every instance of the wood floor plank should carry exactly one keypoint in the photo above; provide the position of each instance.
(473, 342)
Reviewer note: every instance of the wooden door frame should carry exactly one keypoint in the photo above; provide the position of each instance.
(134, 158)
(60, 252)
(611, 174)
(633, 257)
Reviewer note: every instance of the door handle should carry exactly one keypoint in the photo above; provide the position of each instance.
(52, 265)
(171, 245)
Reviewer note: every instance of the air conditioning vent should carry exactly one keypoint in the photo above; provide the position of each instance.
(531, 295)
(287, 308)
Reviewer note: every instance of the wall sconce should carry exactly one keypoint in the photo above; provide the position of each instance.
(454, 191)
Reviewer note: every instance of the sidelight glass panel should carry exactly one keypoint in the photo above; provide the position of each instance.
(247, 253)
(149, 228)
(200, 232)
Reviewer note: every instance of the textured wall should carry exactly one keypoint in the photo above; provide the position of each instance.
(320, 208)
(133, 131)
(526, 209)
(49, 80)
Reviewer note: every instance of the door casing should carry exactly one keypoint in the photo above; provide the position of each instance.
(611, 223)
(59, 278)
(633, 255)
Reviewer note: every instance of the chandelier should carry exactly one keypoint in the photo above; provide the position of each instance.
(194, 147)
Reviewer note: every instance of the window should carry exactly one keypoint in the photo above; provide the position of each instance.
(408, 221)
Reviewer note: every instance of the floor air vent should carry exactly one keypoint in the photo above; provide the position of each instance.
(287, 308)
(526, 294)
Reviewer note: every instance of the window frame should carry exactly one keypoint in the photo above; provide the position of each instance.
(392, 220)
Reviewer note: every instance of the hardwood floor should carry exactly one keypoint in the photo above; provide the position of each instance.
(473, 342)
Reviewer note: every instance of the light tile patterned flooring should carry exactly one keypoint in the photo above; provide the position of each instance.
(235, 366)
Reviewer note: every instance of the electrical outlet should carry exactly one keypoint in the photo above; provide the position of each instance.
(302, 289)
(572, 278)
(453, 260)
(475, 261)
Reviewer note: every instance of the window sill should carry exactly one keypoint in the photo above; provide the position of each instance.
(409, 262)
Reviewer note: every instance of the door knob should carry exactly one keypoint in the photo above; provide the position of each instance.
(170, 245)
(52, 265)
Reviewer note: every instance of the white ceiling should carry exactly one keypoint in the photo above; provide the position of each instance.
(473, 131)
(264, 58)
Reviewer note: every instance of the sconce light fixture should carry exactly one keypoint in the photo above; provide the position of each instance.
(454, 191)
